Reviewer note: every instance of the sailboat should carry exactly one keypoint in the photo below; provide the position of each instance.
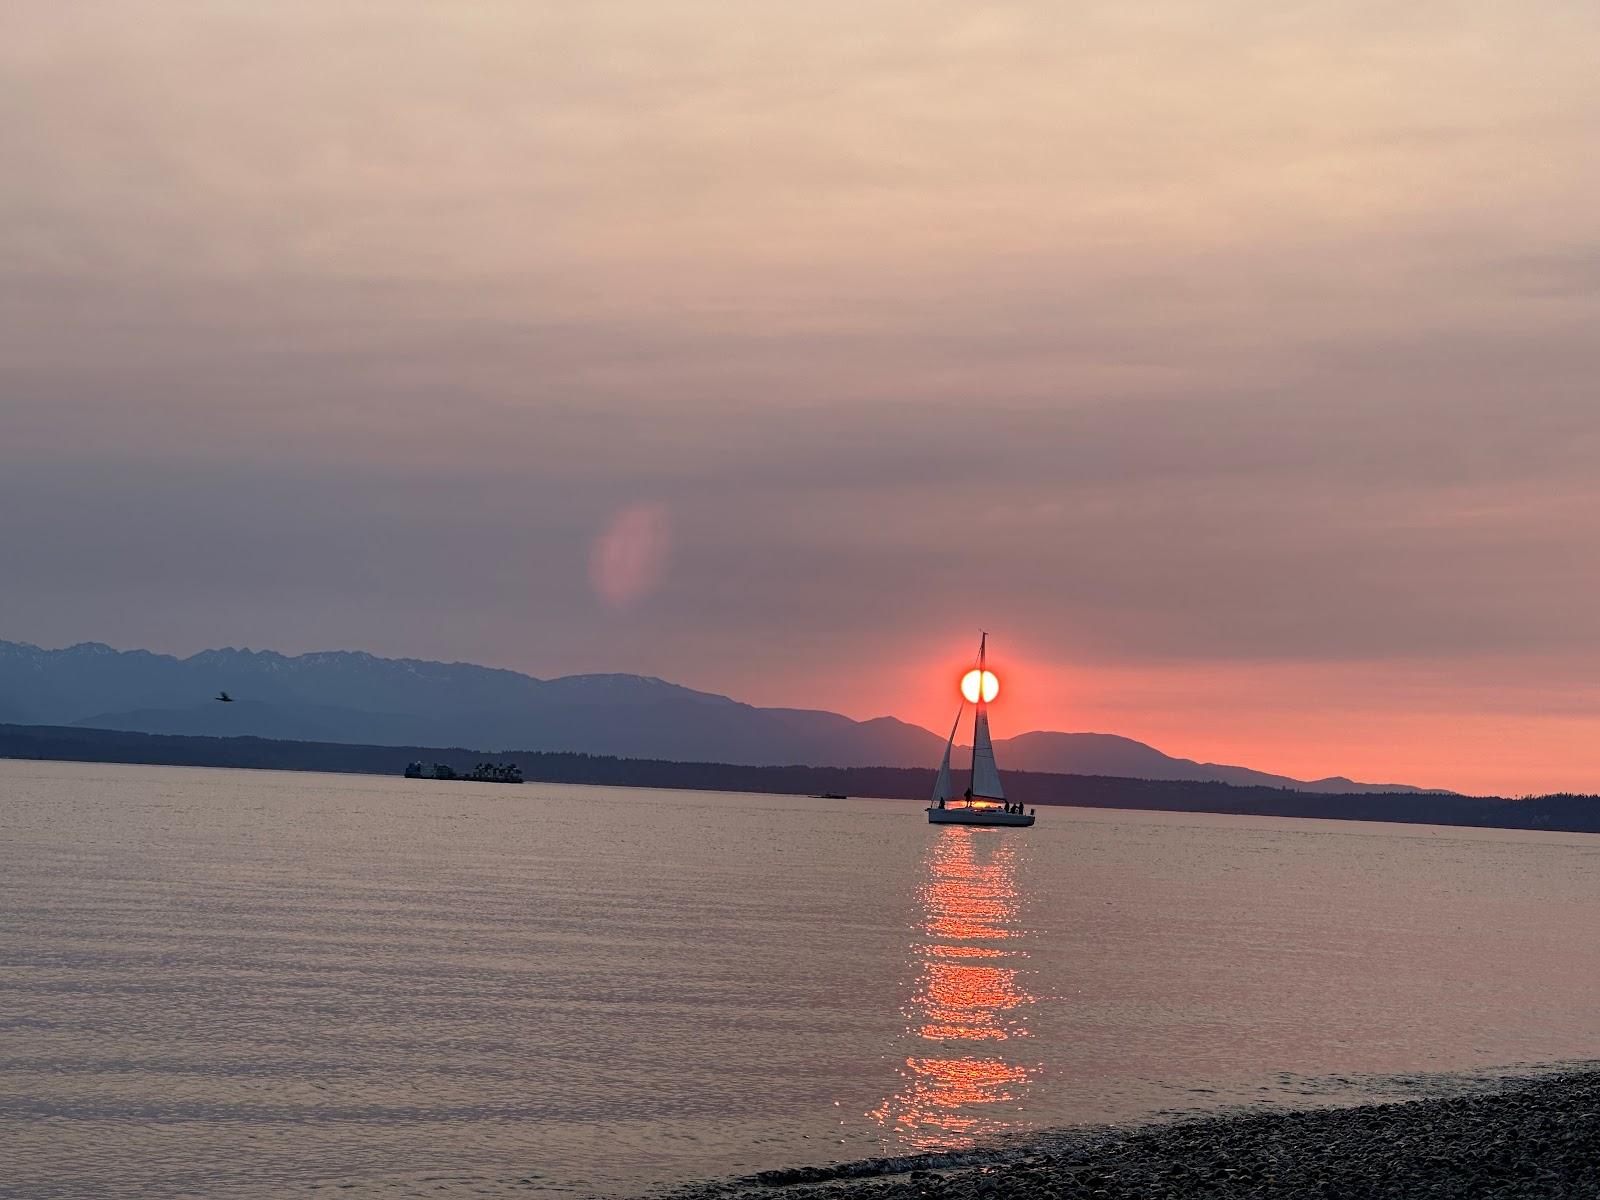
(984, 802)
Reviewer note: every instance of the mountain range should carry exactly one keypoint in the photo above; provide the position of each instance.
(352, 696)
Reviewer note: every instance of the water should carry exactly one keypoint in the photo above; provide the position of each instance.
(244, 984)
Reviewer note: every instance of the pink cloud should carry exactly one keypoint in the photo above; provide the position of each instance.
(627, 560)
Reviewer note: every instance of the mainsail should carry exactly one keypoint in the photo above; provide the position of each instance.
(985, 775)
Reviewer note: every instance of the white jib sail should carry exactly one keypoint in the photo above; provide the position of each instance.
(943, 789)
(941, 785)
(985, 775)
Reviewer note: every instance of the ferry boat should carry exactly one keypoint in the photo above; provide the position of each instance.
(484, 772)
(984, 801)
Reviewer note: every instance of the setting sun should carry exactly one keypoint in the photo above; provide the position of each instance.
(969, 686)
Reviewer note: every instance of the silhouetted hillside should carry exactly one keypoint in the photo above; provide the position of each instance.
(1108, 754)
(349, 696)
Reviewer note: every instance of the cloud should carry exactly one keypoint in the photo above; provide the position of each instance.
(629, 558)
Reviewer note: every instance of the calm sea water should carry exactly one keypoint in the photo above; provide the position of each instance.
(233, 983)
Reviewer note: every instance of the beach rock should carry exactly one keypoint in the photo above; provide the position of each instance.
(1528, 1139)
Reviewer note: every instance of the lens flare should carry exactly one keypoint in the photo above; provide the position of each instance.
(969, 686)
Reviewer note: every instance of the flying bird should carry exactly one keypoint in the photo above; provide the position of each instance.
(224, 697)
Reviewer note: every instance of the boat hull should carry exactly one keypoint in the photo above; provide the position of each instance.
(978, 816)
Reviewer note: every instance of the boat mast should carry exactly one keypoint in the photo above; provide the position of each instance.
(977, 711)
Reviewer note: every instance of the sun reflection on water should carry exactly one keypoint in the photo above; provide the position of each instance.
(964, 1076)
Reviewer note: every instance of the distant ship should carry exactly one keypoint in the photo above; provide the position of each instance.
(484, 772)
(421, 770)
(984, 802)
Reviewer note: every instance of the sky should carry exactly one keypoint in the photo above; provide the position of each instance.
(1235, 364)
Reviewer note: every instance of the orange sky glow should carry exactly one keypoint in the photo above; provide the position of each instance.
(1465, 730)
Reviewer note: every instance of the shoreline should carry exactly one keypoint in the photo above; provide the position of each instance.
(1543, 814)
(1517, 1138)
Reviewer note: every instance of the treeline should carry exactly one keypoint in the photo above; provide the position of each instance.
(1566, 812)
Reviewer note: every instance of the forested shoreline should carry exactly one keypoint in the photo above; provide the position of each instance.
(1564, 812)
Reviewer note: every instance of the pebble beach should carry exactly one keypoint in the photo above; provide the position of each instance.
(1517, 1140)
